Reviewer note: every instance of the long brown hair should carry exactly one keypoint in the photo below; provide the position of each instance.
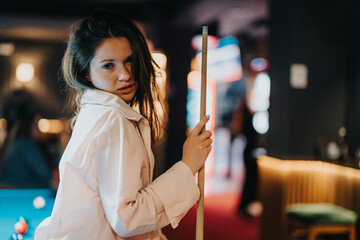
(86, 37)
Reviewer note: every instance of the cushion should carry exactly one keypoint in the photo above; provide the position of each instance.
(321, 213)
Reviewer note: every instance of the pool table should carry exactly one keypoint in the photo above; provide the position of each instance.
(19, 202)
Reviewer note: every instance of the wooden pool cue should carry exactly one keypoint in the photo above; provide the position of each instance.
(201, 173)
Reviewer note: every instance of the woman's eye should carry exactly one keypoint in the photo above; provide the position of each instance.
(108, 65)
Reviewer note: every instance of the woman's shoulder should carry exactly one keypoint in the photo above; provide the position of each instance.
(96, 121)
(100, 100)
(94, 118)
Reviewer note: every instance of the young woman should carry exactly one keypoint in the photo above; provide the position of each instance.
(106, 189)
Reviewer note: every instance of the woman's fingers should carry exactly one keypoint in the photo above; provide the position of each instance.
(197, 129)
(197, 146)
(209, 149)
(207, 142)
(205, 135)
(203, 140)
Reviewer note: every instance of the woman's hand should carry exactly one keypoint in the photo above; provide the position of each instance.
(197, 146)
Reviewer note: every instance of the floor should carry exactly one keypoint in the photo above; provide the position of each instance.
(223, 186)
(221, 220)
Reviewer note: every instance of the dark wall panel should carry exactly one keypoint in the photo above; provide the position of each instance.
(317, 35)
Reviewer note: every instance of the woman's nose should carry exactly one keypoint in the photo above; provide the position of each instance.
(124, 75)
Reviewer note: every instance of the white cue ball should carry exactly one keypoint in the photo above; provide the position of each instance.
(39, 202)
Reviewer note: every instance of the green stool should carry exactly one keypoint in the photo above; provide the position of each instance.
(320, 218)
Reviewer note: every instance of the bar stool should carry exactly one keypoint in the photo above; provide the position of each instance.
(313, 219)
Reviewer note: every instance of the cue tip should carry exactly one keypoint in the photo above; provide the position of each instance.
(205, 28)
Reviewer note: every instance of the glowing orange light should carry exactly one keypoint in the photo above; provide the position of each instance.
(50, 125)
(194, 80)
(2, 123)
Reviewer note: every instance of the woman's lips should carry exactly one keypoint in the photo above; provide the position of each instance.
(126, 89)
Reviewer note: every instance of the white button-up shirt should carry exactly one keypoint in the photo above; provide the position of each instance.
(106, 189)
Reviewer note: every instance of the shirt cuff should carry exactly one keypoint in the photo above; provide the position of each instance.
(177, 190)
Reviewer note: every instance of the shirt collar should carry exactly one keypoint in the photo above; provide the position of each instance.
(95, 96)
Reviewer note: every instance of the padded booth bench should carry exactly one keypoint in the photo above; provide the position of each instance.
(314, 219)
(283, 183)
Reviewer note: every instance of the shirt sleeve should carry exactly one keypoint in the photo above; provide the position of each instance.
(132, 204)
(177, 190)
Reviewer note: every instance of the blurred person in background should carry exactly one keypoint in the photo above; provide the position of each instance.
(25, 161)
(242, 124)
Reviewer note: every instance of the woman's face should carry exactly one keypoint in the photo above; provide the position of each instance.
(110, 69)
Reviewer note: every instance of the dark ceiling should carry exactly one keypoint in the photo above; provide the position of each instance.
(50, 20)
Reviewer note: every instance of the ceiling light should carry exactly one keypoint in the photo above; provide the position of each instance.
(25, 72)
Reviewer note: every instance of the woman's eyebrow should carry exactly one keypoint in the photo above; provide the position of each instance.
(113, 60)
(128, 57)
(108, 60)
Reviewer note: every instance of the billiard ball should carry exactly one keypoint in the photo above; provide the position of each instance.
(39, 202)
(21, 227)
